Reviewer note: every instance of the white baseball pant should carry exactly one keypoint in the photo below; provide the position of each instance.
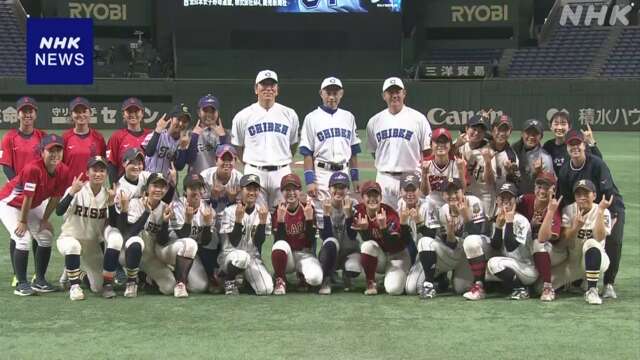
(91, 257)
(301, 262)
(394, 266)
(269, 184)
(255, 272)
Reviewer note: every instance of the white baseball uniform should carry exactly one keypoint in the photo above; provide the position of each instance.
(246, 254)
(497, 164)
(266, 137)
(397, 142)
(439, 177)
(210, 179)
(81, 231)
(331, 139)
(574, 268)
(476, 169)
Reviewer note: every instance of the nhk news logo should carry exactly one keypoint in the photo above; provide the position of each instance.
(59, 51)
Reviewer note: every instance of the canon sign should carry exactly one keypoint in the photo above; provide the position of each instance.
(439, 116)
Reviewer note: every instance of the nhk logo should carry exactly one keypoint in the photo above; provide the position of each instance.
(59, 51)
(573, 16)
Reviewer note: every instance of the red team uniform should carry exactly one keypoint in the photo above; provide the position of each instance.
(526, 208)
(78, 149)
(19, 149)
(34, 175)
(296, 228)
(393, 224)
(120, 142)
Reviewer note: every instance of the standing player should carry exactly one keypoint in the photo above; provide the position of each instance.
(382, 250)
(160, 147)
(266, 135)
(19, 147)
(244, 228)
(512, 240)
(439, 167)
(504, 163)
(586, 166)
(84, 208)
(329, 143)
(82, 142)
(399, 137)
(295, 235)
(585, 226)
(41, 179)
(208, 133)
(533, 159)
(557, 149)
(340, 247)
(123, 139)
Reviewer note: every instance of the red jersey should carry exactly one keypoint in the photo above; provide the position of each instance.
(79, 148)
(34, 181)
(526, 208)
(393, 225)
(19, 149)
(296, 228)
(120, 142)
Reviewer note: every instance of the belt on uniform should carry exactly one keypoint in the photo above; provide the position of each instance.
(268, 168)
(330, 166)
(394, 173)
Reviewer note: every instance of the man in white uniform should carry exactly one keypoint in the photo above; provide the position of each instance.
(266, 135)
(399, 137)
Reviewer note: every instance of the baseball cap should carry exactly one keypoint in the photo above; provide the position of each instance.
(50, 141)
(290, 179)
(584, 184)
(503, 120)
(79, 101)
(477, 120)
(156, 178)
(266, 74)
(370, 185)
(546, 177)
(180, 110)
(331, 81)
(95, 160)
(410, 180)
(209, 100)
(132, 101)
(249, 179)
(392, 81)
(454, 184)
(193, 181)
(131, 154)
(339, 177)
(26, 101)
(440, 132)
(533, 124)
(226, 148)
(508, 188)
(573, 134)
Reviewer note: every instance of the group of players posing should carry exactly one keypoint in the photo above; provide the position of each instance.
(478, 208)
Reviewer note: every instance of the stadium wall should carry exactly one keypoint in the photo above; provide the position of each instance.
(606, 104)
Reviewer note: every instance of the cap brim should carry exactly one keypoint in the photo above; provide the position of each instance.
(393, 86)
(158, 180)
(299, 186)
(103, 163)
(583, 187)
(27, 105)
(52, 145)
(251, 182)
(132, 105)
(139, 156)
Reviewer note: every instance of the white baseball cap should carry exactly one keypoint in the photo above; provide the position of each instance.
(392, 81)
(266, 74)
(331, 81)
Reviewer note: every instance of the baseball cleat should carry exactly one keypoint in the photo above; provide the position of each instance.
(475, 293)
(108, 292)
(372, 288)
(120, 277)
(231, 287)
(592, 297)
(325, 289)
(609, 292)
(23, 289)
(14, 281)
(76, 293)
(519, 294)
(43, 286)
(131, 289)
(281, 287)
(548, 294)
(180, 290)
(347, 282)
(427, 291)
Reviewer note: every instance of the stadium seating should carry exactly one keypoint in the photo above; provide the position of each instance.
(12, 42)
(624, 58)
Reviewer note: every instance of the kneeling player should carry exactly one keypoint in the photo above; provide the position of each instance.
(585, 226)
(382, 249)
(85, 215)
(243, 230)
(512, 239)
(340, 248)
(295, 236)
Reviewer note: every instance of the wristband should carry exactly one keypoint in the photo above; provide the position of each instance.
(309, 177)
(355, 174)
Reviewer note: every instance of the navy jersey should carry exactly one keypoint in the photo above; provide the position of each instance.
(559, 154)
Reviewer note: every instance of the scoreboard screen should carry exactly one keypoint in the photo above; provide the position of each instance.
(303, 6)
